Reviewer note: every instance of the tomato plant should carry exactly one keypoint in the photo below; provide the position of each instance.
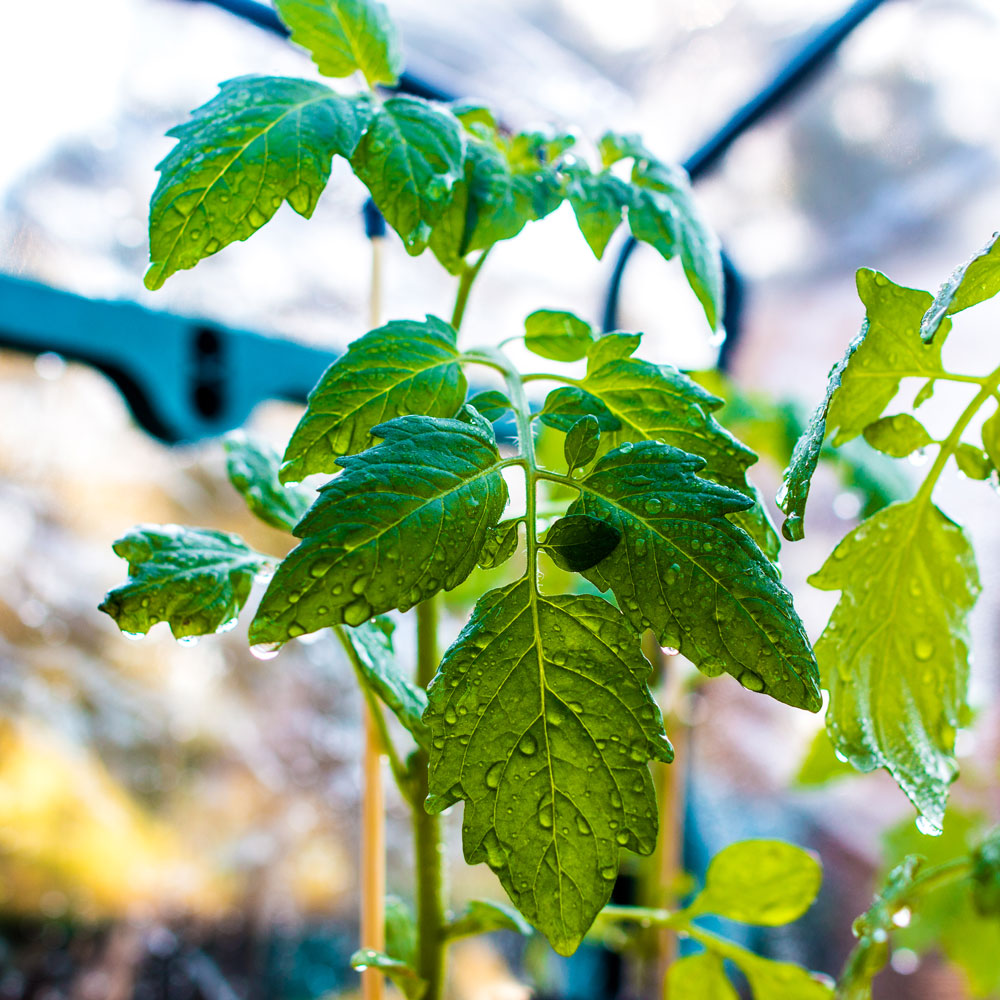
(538, 717)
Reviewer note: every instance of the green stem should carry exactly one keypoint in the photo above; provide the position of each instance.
(430, 891)
(988, 386)
(399, 772)
(465, 282)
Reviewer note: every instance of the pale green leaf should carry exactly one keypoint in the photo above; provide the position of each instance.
(582, 441)
(762, 882)
(194, 579)
(686, 571)
(402, 975)
(578, 542)
(261, 141)
(375, 659)
(471, 113)
(252, 466)
(483, 916)
(973, 462)
(542, 721)
(894, 656)
(501, 541)
(821, 764)
(599, 202)
(403, 521)
(699, 977)
(611, 347)
(973, 282)
(344, 36)
(404, 367)
(889, 350)
(898, 435)
(400, 931)
(770, 980)
(991, 437)
(410, 158)
(557, 335)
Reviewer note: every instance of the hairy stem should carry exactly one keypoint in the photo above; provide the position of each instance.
(430, 891)
(469, 274)
(987, 388)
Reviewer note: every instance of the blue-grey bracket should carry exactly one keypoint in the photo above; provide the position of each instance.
(183, 379)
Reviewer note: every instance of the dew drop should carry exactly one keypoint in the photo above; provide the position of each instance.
(528, 745)
(923, 648)
(608, 873)
(134, 636)
(265, 650)
(622, 837)
(493, 774)
(188, 640)
(653, 505)
(295, 630)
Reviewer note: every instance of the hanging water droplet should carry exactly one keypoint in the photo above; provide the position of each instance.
(265, 650)
(188, 640)
(919, 457)
(228, 626)
(134, 636)
(901, 918)
(927, 827)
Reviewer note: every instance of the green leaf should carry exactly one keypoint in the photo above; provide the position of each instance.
(899, 435)
(770, 980)
(889, 350)
(973, 282)
(403, 521)
(599, 202)
(542, 721)
(986, 876)
(567, 405)
(194, 579)
(400, 931)
(344, 36)
(991, 437)
(821, 764)
(972, 462)
(252, 466)
(686, 571)
(762, 882)
(611, 347)
(894, 656)
(471, 113)
(261, 141)
(410, 158)
(861, 384)
(557, 335)
(483, 916)
(405, 367)
(376, 660)
(699, 977)
(581, 442)
(501, 541)
(402, 975)
(492, 404)
(578, 543)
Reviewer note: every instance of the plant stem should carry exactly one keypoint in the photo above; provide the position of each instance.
(465, 282)
(430, 907)
(988, 386)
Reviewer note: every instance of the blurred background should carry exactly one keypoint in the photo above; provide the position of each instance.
(182, 822)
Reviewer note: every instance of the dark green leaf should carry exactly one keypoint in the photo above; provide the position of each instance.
(568, 404)
(686, 571)
(599, 202)
(410, 158)
(402, 975)
(557, 335)
(699, 977)
(376, 660)
(501, 542)
(973, 282)
(252, 466)
(894, 656)
(261, 141)
(579, 542)
(581, 442)
(491, 404)
(763, 882)
(402, 368)
(482, 916)
(986, 876)
(861, 384)
(898, 435)
(192, 578)
(972, 462)
(344, 36)
(541, 720)
(403, 521)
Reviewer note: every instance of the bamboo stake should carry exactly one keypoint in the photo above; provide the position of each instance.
(372, 795)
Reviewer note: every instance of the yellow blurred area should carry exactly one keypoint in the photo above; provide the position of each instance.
(72, 840)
